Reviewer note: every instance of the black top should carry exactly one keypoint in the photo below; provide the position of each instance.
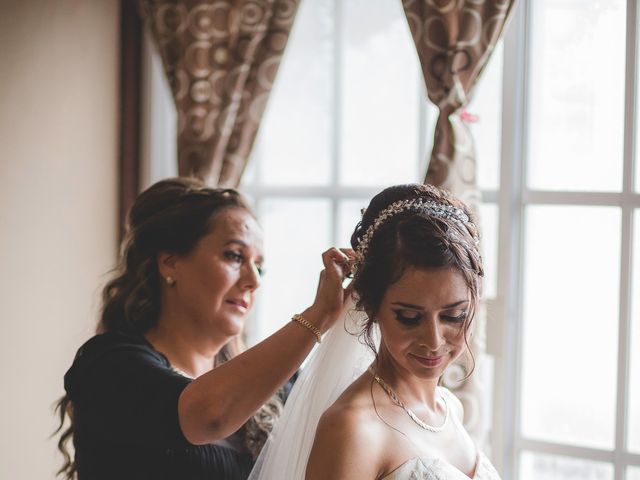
(125, 400)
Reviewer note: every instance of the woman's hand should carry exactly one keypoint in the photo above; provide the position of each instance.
(331, 297)
(219, 402)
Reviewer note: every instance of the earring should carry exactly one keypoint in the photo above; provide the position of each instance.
(170, 281)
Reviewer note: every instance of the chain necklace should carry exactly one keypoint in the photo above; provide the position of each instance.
(394, 397)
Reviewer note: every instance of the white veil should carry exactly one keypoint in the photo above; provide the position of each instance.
(331, 368)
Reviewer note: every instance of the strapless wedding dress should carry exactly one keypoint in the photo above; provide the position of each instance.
(436, 469)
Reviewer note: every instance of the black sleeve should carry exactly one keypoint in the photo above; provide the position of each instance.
(285, 391)
(129, 396)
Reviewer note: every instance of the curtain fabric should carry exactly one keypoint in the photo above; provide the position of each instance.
(454, 40)
(221, 58)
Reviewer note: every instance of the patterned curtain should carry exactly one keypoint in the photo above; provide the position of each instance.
(455, 39)
(221, 58)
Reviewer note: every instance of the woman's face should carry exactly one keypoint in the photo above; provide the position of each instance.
(215, 283)
(422, 318)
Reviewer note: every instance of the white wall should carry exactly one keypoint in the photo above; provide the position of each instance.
(58, 157)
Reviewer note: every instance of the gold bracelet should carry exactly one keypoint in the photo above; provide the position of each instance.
(306, 323)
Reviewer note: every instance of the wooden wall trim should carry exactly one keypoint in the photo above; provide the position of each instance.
(130, 108)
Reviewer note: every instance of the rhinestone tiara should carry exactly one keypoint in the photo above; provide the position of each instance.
(419, 205)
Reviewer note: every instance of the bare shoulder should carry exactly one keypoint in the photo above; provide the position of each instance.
(349, 443)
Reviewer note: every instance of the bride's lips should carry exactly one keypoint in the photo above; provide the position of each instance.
(427, 361)
(239, 303)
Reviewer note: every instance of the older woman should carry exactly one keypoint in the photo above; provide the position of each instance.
(163, 390)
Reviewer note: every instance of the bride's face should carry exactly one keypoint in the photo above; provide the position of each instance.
(422, 320)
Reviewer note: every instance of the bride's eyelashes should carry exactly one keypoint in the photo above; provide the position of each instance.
(408, 317)
(460, 318)
(412, 318)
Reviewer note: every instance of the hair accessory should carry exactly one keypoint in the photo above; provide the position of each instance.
(420, 205)
(170, 281)
(306, 323)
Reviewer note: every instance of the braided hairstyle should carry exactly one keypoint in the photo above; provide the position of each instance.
(170, 216)
(413, 238)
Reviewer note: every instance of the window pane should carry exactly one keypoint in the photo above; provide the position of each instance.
(249, 176)
(570, 324)
(576, 94)
(297, 231)
(489, 245)
(296, 128)
(536, 466)
(487, 127)
(633, 473)
(380, 95)
(637, 137)
(634, 393)
(348, 216)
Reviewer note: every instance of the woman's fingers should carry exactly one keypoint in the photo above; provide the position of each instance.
(331, 296)
(336, 263)
(347, 266)
(350, 252)
(334, 255)
(343, 258)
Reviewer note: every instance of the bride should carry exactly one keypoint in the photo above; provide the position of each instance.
(369, 406)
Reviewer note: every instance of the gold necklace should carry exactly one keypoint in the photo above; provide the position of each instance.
(394, 397)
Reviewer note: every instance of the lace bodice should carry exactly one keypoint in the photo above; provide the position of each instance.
(436, 469)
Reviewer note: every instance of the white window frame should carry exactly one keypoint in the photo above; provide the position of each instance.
(505, 335)
(504, 338)
(335, 192)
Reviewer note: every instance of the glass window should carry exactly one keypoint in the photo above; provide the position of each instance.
(297, 232)
(535, 466)
(381, 96)
(297, 127)
(634, 387)
(570, 324)
(637, 117)
(576, 95)
(633, 473)
(485, 116)
(348, 217)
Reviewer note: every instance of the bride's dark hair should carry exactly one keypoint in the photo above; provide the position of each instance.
(413, 239)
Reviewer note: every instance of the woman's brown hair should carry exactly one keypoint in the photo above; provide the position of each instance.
(170, 216)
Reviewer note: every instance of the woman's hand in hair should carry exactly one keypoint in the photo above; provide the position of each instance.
(331, 297)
